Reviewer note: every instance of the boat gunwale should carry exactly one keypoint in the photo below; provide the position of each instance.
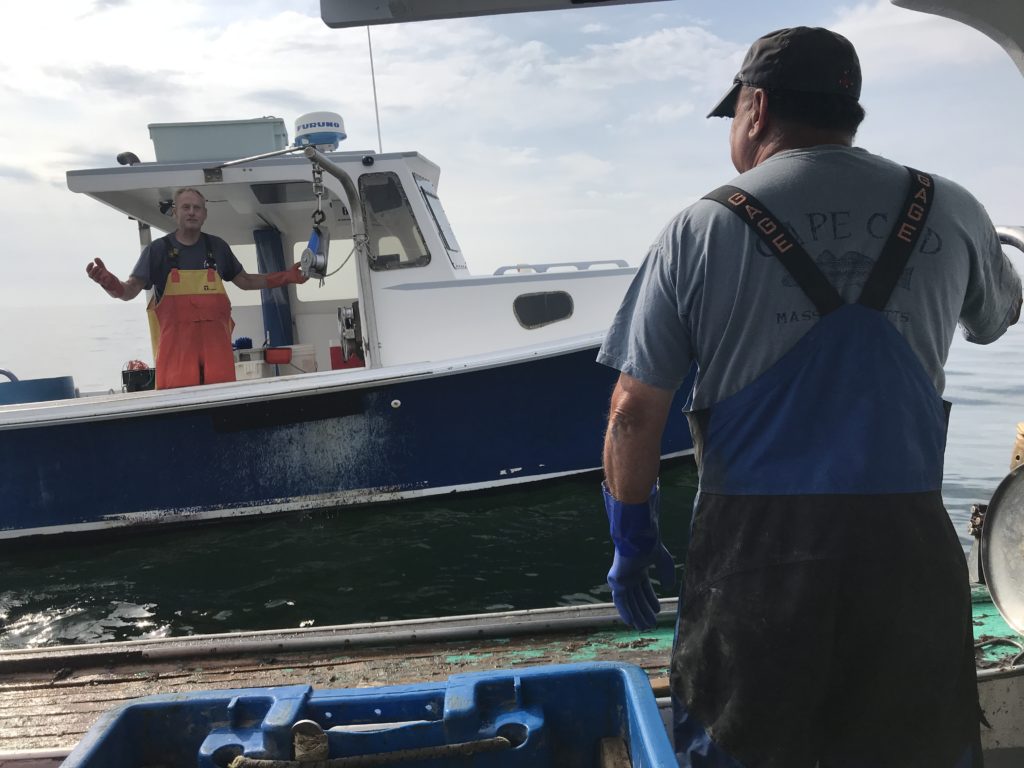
(385, 633)
(439, 629)
(113, 406)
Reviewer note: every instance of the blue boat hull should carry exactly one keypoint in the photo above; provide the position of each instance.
(457, 431)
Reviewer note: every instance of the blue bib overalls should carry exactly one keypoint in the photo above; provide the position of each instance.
(825, 614)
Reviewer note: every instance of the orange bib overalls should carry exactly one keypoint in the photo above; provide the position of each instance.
(194, 321)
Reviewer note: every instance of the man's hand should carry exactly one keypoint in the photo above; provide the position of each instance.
(97, 271)
(637, 538)
(293, 275)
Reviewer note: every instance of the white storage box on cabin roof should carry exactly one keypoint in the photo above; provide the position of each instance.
(217, 139)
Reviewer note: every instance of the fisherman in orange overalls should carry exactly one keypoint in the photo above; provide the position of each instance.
(191, 309)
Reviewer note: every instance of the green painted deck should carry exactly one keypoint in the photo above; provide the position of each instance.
(998, 643)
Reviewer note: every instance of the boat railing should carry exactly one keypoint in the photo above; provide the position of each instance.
(1007, 235)
(261, 156)
(1011, 236)
(578, 265)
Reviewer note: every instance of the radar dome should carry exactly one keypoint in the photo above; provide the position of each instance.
(323, 130)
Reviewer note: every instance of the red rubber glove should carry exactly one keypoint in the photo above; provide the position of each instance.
(278, 279)
(97, 271)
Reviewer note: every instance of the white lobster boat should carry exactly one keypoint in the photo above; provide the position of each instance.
(398, 375)
(50, 697)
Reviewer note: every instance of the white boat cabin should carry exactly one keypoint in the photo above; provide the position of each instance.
(397, 288)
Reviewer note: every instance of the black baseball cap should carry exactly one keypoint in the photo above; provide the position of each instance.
(805, 59)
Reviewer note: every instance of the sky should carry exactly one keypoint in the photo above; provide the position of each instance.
(562, 135)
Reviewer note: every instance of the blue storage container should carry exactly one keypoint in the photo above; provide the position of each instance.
(543, 717)
(37, 390)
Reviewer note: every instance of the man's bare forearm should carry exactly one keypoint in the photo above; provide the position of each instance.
(632, 445)
(132, 287)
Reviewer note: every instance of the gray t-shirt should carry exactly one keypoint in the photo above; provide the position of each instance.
(154, 266)
(710, 292)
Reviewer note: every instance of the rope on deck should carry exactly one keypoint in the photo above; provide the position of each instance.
(1003, 641)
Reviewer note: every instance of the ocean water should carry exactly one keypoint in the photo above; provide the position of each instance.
(528, 547)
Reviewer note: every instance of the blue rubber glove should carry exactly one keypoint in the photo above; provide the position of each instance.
(638, 546)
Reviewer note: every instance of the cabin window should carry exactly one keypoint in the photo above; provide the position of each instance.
(394, 238)
(437, 211)
(534, 310)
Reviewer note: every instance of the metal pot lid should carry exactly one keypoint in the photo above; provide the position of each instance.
(1002, 548)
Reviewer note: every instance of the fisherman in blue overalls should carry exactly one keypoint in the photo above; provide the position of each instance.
(825, 615)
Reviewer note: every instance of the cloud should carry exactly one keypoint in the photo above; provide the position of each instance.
(674, 53)
(100, 6)
(282, 99)
(504, 157)
(121, 80)
(79, 156)
(522, 87)
(897, 44)
(580, 165)
(17, 174)
(662, 114)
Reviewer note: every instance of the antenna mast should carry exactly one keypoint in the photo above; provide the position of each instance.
(373, 77)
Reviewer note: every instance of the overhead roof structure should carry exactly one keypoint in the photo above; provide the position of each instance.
(1001, 20)
(358, 13)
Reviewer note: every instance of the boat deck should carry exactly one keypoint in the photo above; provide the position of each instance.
(49, 697)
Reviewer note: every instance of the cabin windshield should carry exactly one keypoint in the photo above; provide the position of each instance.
(437, 211)
(394, 238)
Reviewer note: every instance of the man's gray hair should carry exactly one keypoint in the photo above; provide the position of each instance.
(179, 192)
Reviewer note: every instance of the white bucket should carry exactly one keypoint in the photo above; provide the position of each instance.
(303, 360)
(252, 369)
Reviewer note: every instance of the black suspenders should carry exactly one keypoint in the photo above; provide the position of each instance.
(901, 242)
(172, 251)
(884, 275)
